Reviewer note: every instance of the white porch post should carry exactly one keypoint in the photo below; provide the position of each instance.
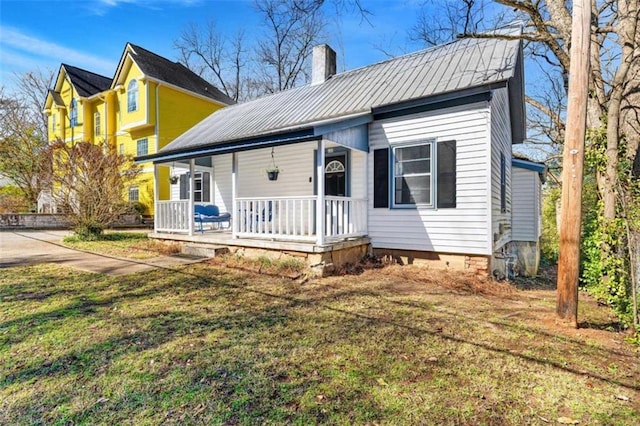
(320, 219)
(235, 212)
(155, 197)
(192, 182)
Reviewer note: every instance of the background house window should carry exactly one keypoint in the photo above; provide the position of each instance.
(73, 115)
(121, 149)
(412, 174)
(142, 147)
(134, 193)
(132, 96)
(96, 122)
(53, 122)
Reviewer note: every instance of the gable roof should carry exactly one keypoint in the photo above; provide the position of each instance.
(158, 68)
(85, 82)
(450, 68)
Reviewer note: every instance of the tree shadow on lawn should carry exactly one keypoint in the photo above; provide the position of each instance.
(239, 290)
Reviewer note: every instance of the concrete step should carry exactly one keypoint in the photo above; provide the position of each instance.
(204, 250)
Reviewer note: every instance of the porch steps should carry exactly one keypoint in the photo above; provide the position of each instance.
(204, 250)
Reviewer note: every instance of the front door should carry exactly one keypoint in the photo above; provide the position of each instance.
(335, 175)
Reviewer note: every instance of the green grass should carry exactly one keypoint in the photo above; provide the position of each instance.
(133, 245)
(209, 345)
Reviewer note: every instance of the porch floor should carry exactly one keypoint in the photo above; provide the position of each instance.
(224, 238)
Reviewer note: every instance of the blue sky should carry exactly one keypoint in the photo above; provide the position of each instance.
(91, 34)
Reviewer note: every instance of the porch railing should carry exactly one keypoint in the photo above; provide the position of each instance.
(294, 218)
(172, 216)
(278, 218)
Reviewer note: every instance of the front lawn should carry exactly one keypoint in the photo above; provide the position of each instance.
(209, 345)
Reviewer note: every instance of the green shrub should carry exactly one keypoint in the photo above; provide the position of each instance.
(549, 246)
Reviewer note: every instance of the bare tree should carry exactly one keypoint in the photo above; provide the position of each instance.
(31, 90)
(293, 27)
(91, 182)
(276, 60)
(23, 158)
(217, 57)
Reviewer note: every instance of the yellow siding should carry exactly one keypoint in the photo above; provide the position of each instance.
(162, 114)
(179, 112)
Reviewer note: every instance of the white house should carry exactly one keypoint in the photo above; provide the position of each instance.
(409, 157)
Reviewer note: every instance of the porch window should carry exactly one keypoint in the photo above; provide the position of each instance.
(96, 122)
(121, 149)
(134, 193)
(142, 147)
(416, 174)
(201, 192)
(132, 96)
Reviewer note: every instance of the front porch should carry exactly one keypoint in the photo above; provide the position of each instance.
(317, 205)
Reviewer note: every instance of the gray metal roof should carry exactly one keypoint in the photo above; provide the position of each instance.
(455, 66)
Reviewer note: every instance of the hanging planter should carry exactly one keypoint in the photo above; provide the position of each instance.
(173, 178)
(272, 173)
(273, 170)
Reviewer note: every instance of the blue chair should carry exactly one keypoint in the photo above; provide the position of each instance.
(210, 214)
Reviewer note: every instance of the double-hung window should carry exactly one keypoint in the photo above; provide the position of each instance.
(96, 122)
(413, 174)
(134, 193)
(416, 174)
(142, 147)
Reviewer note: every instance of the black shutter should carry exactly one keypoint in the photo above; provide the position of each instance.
(184, 187)
(206, 185)
(503, 184)
(381, 178)
(446, 178)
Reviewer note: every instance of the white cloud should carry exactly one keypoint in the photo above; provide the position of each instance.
(38, 50)
(101, 7)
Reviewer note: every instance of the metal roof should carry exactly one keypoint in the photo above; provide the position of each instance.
(455, 66)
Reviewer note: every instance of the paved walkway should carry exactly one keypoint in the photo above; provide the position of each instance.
(20, 248)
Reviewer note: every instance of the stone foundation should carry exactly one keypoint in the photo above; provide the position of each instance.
(319, 264)
(457, 262)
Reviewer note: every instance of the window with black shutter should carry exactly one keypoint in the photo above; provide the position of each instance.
(446, 176)
(381, 178)
(421, 174)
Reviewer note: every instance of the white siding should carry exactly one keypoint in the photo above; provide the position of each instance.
(500, 144)
(526, 205)
(464, 229)
(296, 167)
(222, 191)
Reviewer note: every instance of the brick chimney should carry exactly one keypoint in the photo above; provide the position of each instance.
(324, 63)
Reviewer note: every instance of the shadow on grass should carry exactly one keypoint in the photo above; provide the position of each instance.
(240, 383)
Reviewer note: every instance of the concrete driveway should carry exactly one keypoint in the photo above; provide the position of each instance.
(20, 248)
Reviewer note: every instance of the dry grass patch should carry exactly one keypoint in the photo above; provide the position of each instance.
(130, 245)
(396, 345)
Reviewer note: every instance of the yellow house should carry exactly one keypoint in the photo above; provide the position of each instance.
(148, 103)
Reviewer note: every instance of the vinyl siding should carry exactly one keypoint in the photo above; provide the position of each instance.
(500, 144)
(222, 190)
(464, 229)
(526, 205)
(296, 178)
